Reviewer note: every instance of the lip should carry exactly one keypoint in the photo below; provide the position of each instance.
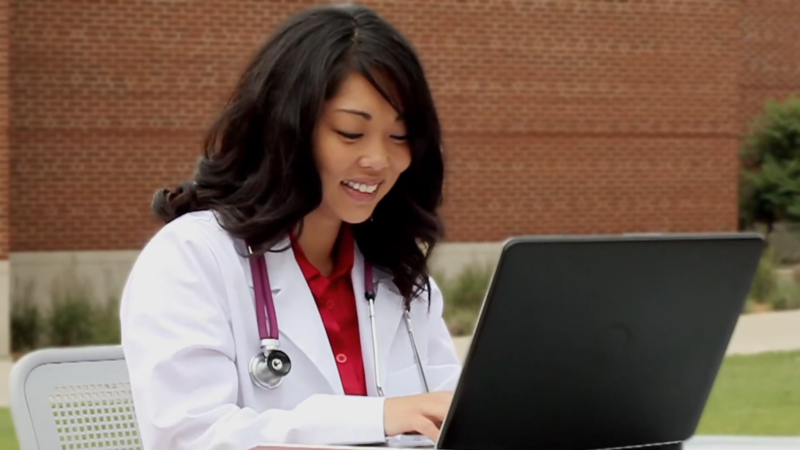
(369, 181)
(362, 197)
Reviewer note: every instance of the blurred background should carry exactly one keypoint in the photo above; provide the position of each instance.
(560, 117)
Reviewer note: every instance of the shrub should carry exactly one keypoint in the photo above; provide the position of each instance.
(765, 280)
(786, 297)
(71, 321)
(770, 182)
(106, 323)
(27, 323)
(768, 291)
(79, 320)
(74, 318)
(775, 132)
(463, 297)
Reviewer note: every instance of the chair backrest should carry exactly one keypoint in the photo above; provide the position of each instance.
(73, 398)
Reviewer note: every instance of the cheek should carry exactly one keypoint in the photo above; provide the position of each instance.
(401, 159)
(331, 159)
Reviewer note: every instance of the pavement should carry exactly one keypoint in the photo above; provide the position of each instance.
(754, 333)
(5, 370)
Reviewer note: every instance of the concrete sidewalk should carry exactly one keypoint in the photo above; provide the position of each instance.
(755, 333)
(5, 370)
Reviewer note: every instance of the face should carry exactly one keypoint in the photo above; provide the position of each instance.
(360, 149)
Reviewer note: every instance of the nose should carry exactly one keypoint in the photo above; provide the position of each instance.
(376, 157)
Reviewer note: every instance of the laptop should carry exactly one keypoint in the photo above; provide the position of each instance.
(599, 342)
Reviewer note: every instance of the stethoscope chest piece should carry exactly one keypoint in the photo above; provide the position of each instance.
(270, 366)
(267, 369)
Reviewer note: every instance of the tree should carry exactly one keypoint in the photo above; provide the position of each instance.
(770, 175)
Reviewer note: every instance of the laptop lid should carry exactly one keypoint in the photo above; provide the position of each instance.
(589, 342)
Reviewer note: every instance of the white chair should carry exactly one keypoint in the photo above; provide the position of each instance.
(73, 398)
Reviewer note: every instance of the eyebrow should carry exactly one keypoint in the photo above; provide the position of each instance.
(364, 114)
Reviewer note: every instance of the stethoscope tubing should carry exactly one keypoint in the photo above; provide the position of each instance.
(265, 311)
(410, 328)
(268, 321)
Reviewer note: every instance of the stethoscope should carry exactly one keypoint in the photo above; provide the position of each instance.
(269, 367)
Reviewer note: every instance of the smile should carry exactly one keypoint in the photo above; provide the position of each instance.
(361, 187)
(361, 192)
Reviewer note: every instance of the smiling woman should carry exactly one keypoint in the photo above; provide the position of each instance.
(360, 150)
(325, 164)
(344, 101)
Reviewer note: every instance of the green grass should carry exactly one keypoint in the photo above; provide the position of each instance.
(8, 439)
(753, 395)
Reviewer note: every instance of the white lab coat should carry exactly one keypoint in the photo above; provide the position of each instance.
(189, 331)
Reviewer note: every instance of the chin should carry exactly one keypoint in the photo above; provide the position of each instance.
(355, 219)
(355, 216)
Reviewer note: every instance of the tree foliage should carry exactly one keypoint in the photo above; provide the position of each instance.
(770, 156)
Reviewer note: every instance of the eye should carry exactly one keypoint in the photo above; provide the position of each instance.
(402, 138)
(349, 136)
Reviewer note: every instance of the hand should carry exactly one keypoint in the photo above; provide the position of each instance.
(421, 413)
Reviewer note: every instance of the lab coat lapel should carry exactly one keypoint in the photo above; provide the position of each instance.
(388, 313)
(299, 320)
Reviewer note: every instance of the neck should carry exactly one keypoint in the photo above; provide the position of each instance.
(318, 240)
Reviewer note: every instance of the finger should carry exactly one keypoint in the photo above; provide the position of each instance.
(436, 410)
(427, 428)
(444, 397)
(440, 394)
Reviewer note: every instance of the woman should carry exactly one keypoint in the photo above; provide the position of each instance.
(325, 165)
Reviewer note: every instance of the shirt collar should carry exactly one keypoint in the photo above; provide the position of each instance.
(343, 254)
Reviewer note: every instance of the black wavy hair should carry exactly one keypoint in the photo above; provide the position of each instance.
(257, 171)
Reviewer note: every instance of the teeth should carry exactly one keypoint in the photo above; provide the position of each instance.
(365, 188)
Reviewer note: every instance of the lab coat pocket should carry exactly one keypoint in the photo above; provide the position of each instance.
(405, 381)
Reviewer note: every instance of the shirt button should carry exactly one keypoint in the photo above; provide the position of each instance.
(329, 304)
(341, 358)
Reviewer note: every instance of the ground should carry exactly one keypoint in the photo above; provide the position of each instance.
(8, 440)
(755, 395)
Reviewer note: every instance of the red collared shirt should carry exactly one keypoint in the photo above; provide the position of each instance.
(337, 307)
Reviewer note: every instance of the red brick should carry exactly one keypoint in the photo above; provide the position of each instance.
(771, 54)
(4, 130)
(559, 116)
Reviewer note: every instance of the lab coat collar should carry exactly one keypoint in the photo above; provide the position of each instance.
(299, 320)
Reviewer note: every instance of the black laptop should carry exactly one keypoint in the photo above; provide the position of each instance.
(600, 342)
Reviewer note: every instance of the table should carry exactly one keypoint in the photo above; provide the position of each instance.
(742, 443)
(695, 443)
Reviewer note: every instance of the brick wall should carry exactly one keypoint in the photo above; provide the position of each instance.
(4, 131)
(771, 52)
(568, 116)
